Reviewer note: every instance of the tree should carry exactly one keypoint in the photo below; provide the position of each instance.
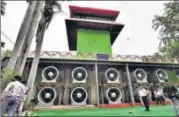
(47, 16)
(28, 39)
(21, 35)
(171, 51)
(3, 5)
(168, 26)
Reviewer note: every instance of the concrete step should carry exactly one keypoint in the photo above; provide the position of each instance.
(64, 107)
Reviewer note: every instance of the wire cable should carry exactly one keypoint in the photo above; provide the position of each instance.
(7, 37)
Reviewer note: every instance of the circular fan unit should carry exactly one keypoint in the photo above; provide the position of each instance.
(79, 95)
(112, 74)
(79, 74)
(113, 94)
(161, 74)
(47, 95)
(50, 73)
(140, 74)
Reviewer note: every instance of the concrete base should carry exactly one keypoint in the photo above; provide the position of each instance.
(64, 107)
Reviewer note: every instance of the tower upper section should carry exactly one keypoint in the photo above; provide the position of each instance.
(92, 30)
(93, 13)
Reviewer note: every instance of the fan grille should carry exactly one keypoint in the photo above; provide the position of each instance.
(140, 74)
(161, 74)
(47, 95)
(79, 95)
(112, 74)
(114, 94)
(79, 74)
(50, 73)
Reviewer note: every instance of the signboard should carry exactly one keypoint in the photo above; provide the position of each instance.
(102, 57)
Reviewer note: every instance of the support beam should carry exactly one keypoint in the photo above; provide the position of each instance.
(28, 39)
(130, 85)
(97, 85)
(21, 35)
(35, 62)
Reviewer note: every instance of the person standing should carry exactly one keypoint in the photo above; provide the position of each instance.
(143, 93)
(22, 99)
(172, 93)
(156, 97)
(10, 96)
(159, 96)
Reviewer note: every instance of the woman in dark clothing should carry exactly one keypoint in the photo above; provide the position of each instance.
(171, 92)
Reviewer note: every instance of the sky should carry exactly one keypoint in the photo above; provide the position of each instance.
(136, 38)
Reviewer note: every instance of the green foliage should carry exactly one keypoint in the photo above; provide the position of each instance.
(47, 16)
(7, 74)
(172, 77)
(171, 51)
(168, 23)
(168, 26)
(6, 53)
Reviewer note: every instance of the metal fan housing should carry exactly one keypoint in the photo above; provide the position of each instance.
(113, 95)
(46, 96)
(50, 74)
(161, 75)
(79, 75)
(140, 75)
(79, 96)
(112, 75)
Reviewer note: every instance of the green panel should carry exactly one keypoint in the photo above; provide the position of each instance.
(172, 77)
(39, 75)
(90, 41)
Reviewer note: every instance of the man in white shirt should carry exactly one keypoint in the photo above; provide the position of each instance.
(11, 95)
(21, 104)
(159, 96)
(143, 94)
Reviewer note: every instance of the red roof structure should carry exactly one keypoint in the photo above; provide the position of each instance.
(93, 11)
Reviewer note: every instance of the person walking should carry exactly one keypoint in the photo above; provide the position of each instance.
(143, 93)
(22, 99)
(172, 93)
(10, 96)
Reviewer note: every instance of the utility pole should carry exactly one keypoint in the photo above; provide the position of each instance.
(35, 62)
(28, 39)
(130, 85)
(21, 35)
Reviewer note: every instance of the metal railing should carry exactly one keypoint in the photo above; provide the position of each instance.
(91, 56)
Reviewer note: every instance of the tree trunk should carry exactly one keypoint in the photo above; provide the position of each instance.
(21, 35)
(28, 39)
(33, 71)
